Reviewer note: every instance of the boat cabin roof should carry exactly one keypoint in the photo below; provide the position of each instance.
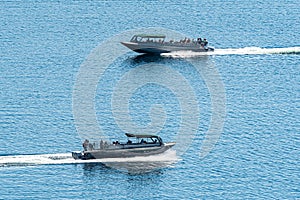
(141, 135)
(149, 36)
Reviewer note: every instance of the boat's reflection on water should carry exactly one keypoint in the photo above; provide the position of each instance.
(139, 167)
(147, 57)
(173, 58)
(136, 165)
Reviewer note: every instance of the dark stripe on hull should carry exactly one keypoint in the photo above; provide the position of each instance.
(151, 51)
(158, 49)
(122, 153)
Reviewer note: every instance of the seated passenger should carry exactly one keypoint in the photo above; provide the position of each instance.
(101, 144)
(91, 147)
(105, 144)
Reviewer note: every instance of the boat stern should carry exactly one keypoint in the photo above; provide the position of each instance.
(210, 48)
(77, 155)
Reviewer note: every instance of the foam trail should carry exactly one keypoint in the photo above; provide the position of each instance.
(39, 159)
(66, 158)
(240, 51)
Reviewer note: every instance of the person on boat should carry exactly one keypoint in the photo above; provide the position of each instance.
(205, 42)
(129, 142)
(101, 144)
(91, 146)
(105, 145)
(85, 144)
(199, 40)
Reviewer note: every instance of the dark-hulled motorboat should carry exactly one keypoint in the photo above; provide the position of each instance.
(143, 145)
(156, 44)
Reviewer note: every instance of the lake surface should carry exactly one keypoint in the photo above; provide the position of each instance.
(234, 114)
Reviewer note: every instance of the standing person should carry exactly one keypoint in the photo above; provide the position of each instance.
(205, 42)
(85, 144)
(199, 40)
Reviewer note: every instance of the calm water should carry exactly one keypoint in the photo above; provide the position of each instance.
(43, 46)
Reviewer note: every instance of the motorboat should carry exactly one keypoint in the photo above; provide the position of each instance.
(136, 145)
(156, 44)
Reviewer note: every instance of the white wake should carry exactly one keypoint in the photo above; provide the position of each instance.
(239, 51)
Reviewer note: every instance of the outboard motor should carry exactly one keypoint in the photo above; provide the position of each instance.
(77, 155)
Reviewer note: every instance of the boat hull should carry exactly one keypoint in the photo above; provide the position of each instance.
(158, 48)
(122, 152)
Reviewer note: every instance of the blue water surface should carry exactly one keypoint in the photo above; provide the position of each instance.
(44, 43)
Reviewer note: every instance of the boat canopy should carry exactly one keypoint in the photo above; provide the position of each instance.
(144, 136)
(141, 135)
(147, 38)
(150, 36)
